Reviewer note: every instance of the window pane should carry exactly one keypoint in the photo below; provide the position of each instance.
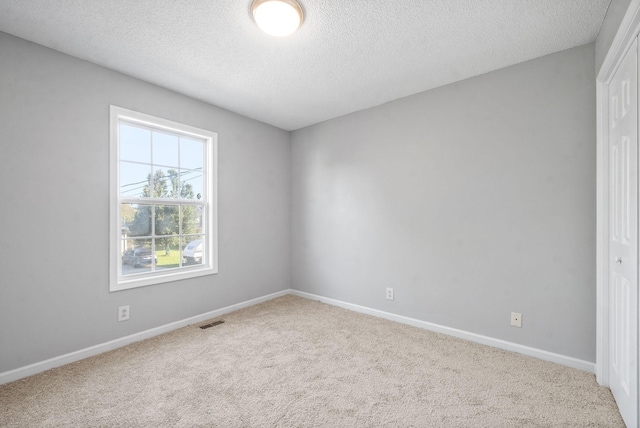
(192, 185)
(137, 256)
(191, 153)
(167, 253)
(127, 216)
(193, 251)
(163, 182)
(192, 219)
(138, 219)
(173, 184)
(167, 219)
(134, 180)
(165, 150)
(135, 143)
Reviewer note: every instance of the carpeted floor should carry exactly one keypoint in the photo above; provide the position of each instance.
(300, 363)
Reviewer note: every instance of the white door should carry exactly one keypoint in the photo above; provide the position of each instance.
(623, 203)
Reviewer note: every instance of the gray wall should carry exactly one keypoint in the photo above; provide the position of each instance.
(471, 200)
(610, 25)
(54, 175)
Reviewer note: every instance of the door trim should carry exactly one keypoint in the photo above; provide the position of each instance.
(627, 32)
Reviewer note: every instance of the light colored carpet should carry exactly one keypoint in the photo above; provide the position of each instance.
(297, 362)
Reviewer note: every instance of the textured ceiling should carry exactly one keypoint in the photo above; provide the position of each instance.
(347, 56)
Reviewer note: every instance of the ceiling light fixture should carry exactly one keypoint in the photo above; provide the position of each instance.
(277, 18)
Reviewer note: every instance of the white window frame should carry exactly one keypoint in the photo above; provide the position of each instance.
(209, 265)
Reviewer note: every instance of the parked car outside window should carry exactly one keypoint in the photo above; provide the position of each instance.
(138, 257)
(192, 252)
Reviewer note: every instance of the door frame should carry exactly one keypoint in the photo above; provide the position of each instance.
(627, 32)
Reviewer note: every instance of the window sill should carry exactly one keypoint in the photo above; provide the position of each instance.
(127, 283)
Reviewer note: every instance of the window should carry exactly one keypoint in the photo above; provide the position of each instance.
(163, 200)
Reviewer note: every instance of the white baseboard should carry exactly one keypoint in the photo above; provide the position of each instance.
(39, 367)
(473, 337)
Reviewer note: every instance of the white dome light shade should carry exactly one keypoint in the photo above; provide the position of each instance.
(278, 18)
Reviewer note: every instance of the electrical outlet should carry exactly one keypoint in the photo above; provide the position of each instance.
(516, 319)
(123, 313)
(389, 293)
